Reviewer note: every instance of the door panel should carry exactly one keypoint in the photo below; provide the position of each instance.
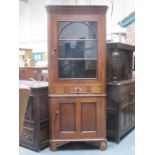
(88, 116)
(78, 117)
(67, 116)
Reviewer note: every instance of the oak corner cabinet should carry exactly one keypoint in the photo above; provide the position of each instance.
(77, 96)
(35, 134)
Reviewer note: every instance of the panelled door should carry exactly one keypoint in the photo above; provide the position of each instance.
(78, 117)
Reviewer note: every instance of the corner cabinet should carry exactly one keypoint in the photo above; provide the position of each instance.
(77, 96)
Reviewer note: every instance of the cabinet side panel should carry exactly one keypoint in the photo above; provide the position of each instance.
(44, 107)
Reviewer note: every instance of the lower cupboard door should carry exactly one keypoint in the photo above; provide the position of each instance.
(78, 118)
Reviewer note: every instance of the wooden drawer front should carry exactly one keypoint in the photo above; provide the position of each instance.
(78, 89)
(96, 89)
(120, 95)
(59, 89)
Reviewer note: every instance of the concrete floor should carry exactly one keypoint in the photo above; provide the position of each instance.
(125, 147)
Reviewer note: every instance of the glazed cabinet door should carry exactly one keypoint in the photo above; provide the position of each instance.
(78, 118)
(76, 52)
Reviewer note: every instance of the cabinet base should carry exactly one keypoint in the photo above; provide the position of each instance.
(33, 147)
(101, 143)
(115, 137)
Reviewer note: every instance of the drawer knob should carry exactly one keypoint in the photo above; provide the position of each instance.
(77, 89)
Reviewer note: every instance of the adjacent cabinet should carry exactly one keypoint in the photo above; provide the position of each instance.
(120, 91)
(77, 96)
(35, 132)
(120, 109)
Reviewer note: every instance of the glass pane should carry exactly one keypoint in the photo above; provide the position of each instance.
(77, 49)
(77, 68)
(77, 30)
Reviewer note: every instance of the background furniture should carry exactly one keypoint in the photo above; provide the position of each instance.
(120, 109)
(76, 47)
(24, 94)
(120, 91)
(36, 73)
(35, 134)
(119, 61)
(24, 55)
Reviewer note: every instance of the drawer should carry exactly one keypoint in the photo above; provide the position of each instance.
(59, 89)
(77, 89)
(96, 89)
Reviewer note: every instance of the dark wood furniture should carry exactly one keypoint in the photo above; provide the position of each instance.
(35, 134)
(24, 94)
(119, 61)
(33, 72)
(120, 109)
(120, 90)
(76, 47)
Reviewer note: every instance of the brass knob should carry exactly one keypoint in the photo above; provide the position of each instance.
(77, 89)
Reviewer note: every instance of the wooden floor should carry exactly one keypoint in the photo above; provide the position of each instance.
(125, 147)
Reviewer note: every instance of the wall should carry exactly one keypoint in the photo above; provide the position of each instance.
(33, 19)
(24, 24)
(33, 25)
(130, 31)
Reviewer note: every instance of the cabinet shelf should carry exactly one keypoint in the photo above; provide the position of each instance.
(77, 39)
(92, 59)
